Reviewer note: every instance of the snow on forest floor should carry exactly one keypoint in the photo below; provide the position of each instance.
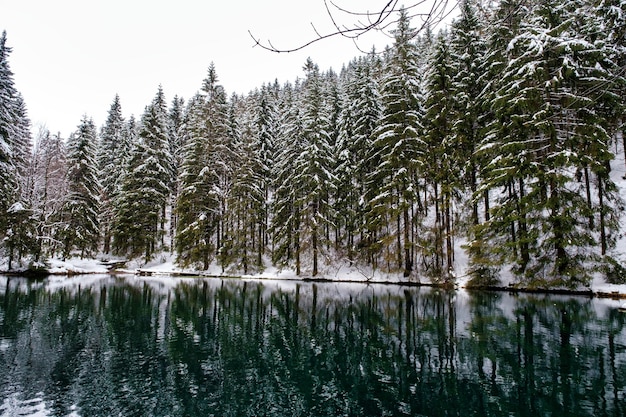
(165, 267)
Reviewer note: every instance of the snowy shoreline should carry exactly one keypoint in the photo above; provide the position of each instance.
(75, 267)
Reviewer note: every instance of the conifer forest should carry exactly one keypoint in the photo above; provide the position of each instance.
(493, 141)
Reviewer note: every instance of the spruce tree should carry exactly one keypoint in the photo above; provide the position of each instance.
(443, 166)
(8, 118)
(285, 221)
(246, 201)
(197, 204)
(546, 124)
(396, 153)
(110, 163)
(265, 130)
(314, 177)
(154, 133)
(139, 214)
(176, 136)
(22, 147)
(360, 113)
(206, 176)
(80, 212)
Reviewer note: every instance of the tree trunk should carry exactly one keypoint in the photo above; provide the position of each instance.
(449, 250)
(486, 198)
(523, 227)
(603, 240)
(588, 193)
(408, 261)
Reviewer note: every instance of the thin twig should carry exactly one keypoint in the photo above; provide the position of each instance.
(376, 21)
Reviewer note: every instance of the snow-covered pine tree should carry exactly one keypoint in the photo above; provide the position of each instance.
(246, 200)
(600, 78)
(444, 162)
(197, 204)
(110, 164)
(144, 191)
(468, 52)
(80, 212)
(8, 117)
(154, 131)
(21, 237)
(396, 153)
(206, 176)
(314, 178)
(360, 113)
(503, 25)
(468, 49)
(285, 221)
(265, 131)
(611, 16)
(545, 126)
(22, 146)
(333, 99)
(176, 136)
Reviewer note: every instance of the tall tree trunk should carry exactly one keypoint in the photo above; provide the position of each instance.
(448, 226)
(408, 262)
(603, 239)
(561, 261)
(486, 198)
(523, 227)
(438, 243)
(399, 241)
(473, 182)
(588, 193)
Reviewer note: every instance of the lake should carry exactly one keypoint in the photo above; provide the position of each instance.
(107, 346)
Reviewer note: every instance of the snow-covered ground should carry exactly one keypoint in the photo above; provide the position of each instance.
(65, 273)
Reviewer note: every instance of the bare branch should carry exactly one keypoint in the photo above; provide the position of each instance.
(380, 21)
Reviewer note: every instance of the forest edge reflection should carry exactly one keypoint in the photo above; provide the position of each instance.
(162, 346)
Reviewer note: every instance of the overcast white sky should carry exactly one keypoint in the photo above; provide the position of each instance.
(70, 57)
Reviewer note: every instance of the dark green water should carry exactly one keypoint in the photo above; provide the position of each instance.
(101, 346)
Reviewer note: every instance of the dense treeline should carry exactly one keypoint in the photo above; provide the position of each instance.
(494, 137)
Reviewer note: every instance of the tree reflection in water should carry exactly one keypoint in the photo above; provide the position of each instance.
(236, 348)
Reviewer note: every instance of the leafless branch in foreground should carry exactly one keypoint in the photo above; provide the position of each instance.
(428, 12)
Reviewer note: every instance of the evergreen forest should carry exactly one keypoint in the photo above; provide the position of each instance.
(489, 145)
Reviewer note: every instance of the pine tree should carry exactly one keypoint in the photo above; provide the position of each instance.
(176, 126)
(140, 209)
(110, 163)
(361, 111)
(8, 117)
(610, 16)
(80, 211)
(246, 201)
(546, 125)
(265, 131)
(206, 176)
(445, 159)
(22, 146)
(396, 153)
(468, 53)
(197, 204)
(285, 222)
(154, 133)
(21, 237)
(313, 177)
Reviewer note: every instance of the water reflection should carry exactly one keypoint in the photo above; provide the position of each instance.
(107, 346)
